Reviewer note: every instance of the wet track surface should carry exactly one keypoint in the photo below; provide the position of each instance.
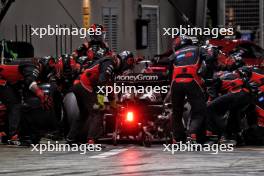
(127, 159)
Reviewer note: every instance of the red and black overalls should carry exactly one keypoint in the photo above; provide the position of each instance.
(187, 83)
(10, 78)
(258, 77)
(94, 50)
(234, 98)
(85, 90)
(67, 70)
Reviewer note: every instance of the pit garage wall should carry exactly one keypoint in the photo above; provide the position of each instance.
(128, 12)
(40, 13)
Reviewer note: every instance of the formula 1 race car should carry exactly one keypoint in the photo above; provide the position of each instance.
(139, 115)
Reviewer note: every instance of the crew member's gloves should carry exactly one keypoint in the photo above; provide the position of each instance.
(46, 100)
(100, 102)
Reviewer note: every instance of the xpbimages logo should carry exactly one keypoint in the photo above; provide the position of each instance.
(57, 30)
(57, 147)
(189, 147)
(195, 31)
(123, 89)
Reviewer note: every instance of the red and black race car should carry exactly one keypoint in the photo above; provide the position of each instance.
(252, 54)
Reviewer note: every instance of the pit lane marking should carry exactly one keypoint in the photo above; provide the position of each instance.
(109, 153)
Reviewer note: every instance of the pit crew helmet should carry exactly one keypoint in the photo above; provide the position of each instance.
(127, 60)
(98, 34)
(46, 64)
(181, 41)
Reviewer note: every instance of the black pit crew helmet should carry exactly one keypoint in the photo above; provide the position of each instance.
(127, 60)
(180, 41)
(98, 34)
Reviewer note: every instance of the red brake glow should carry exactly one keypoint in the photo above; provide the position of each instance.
(130, 116)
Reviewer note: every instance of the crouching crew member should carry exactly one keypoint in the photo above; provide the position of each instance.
(99, 74)
(234, 97)
(17, 77)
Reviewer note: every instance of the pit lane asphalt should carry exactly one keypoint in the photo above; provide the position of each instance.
(127, 159)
